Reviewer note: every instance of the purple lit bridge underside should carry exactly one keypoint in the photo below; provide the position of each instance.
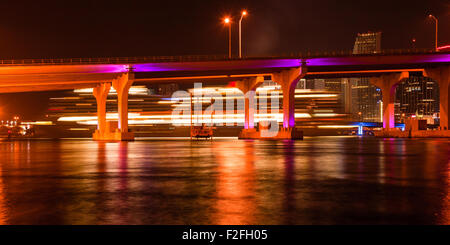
(347, 63)
(386, 71)
(62, 76)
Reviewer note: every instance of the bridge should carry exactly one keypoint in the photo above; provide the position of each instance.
(386, 70)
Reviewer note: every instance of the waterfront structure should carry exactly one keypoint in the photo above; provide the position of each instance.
(366, 100)
(417, 96)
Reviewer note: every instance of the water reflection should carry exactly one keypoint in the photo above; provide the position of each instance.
(122, 191)
(446, 202)
(289, 178)
(101, 184)
(445, 220)
(323, 180)
(2, 200)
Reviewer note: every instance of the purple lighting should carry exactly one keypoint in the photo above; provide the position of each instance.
(290, 63)
(217, 65)
(106, 69)
(259, 65)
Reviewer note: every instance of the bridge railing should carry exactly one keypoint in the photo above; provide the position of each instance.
(114, 60)
(193, 58)
(350, 53)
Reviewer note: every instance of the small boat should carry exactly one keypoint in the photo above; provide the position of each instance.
(201, 132)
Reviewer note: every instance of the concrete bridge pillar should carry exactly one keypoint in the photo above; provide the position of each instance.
(388, 84)
(122, 85)
(442, 76)
(288, 80)
(101, 94)
(248, 87)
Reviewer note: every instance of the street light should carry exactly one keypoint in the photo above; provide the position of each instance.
(244, 13)
(227, 21)
(436, 39)
(414, 43)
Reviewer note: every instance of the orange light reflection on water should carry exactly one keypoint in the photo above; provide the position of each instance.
(236, 186)
(446, 201)
(2, 200)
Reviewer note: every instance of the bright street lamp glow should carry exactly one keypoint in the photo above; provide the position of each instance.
(244, 13)
(227, 21)
(437, 24)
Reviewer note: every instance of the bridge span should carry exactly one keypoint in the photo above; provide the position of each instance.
(386, 71)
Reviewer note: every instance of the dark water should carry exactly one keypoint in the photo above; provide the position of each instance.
(321, 180)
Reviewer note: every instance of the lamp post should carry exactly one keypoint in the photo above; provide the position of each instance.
(437, 23)
(227, 21)
(413, 41)
(244, 13)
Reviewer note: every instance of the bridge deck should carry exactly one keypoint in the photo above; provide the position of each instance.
(32, 75)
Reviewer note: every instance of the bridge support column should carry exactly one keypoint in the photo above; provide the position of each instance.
(442, 76)
(101, 94)
(249, 111)
(288, 80)
(248, 87)
(387, 84)
(122, 85)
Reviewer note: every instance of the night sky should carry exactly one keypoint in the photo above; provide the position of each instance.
(50, 29)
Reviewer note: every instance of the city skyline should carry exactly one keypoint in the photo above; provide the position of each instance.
(220, 120)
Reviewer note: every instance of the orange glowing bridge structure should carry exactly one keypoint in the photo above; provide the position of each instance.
(386, 70)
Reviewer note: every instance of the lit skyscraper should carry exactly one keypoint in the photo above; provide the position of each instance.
(417, 96)
(367, 43)
(366, 98)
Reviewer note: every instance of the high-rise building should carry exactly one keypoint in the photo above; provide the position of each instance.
(366, 98)
(367, 43)
(417, 96)
(367, 101)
